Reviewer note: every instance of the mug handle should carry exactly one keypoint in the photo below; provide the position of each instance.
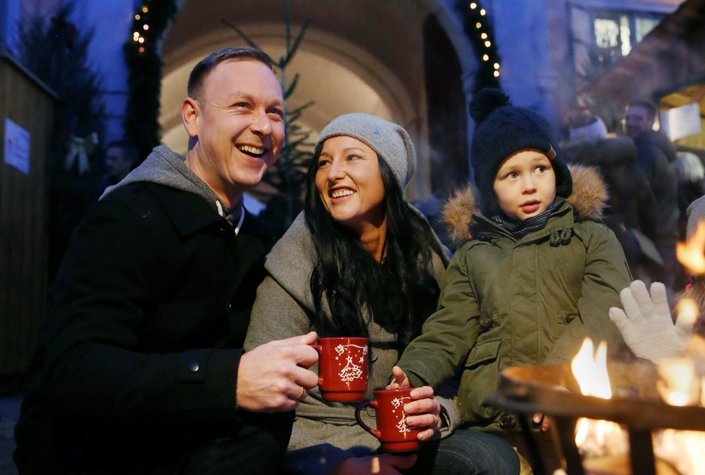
(360, 407)
(318, 348)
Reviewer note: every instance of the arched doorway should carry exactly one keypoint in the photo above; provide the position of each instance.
(356, 56)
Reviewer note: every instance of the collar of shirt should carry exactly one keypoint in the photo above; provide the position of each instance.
(235, 216)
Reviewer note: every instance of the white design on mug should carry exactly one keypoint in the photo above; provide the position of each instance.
(351, 371)
(398, 402)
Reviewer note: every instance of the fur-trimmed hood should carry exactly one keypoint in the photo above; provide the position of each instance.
(588, 200)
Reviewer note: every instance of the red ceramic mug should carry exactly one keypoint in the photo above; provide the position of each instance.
(342, 368)
(392, 431)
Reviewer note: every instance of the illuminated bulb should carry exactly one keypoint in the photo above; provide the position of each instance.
(478, 25)
(145, 9)
(485, 57)
(145, 27)
(487, 44)
(141, 49)
(483, 36)
(141, 40)
(496, 74)
(496, 65)
(473, 6)
(482, 12)
(137, 17)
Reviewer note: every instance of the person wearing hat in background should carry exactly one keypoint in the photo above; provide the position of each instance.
(361, 261)
(537, 273)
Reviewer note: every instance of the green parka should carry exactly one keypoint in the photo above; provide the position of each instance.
(508, 302)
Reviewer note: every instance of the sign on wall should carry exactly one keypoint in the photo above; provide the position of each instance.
(16, 149)
(681, 121)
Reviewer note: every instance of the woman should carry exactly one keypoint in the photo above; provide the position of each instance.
(360, 261)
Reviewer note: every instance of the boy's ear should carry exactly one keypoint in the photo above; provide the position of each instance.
(190, 115)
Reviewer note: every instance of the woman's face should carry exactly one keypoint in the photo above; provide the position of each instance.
(349, 182)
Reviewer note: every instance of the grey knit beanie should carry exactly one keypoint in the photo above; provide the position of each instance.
(502, 130)
(389, 140)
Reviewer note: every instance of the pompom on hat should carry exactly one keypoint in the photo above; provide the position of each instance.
(389, 140)
(502, 130)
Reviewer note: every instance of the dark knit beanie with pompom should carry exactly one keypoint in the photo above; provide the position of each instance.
(501, 130)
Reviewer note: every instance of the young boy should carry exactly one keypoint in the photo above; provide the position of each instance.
(537, 273)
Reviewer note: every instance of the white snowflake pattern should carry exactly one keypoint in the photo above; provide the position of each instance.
(401, 426)
(351, 371)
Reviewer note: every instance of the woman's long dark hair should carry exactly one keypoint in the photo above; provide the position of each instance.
(398, 294)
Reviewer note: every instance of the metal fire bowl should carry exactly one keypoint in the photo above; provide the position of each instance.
(635, 403)
(552, 389)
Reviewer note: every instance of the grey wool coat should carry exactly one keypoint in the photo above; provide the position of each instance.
(280, 311)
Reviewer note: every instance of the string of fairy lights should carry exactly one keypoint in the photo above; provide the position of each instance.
(143, 60)
(488, 54)
(140, 21)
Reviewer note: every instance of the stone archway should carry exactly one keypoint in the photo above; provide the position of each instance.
(356, 56)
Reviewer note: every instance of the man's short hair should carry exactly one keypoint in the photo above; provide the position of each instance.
(649, 107)
(128, 149)
(206, 65)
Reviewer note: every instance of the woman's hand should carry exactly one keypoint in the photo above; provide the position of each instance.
(423, 412)
(382, 464)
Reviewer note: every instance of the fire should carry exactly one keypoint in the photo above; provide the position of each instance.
(687, 311)
(678, 385)
(690, 254)
(591, 371)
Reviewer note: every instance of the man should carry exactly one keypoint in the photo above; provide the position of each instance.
(142, 368)
(120, 158)
(656, 156)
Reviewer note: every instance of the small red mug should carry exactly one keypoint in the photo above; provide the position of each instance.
(392, 431)
(342, 368)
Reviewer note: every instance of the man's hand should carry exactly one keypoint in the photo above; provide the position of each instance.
(383, 464)
(273, 377)
(646, 323)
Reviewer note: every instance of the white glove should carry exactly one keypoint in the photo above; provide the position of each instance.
(646, 323)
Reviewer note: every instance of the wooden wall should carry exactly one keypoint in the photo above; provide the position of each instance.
(23, 217)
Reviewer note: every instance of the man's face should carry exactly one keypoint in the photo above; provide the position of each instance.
(117, 164)
(637, 119)
(238, 120)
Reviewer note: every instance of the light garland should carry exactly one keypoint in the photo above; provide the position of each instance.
(484, 41)
(149, 21)
(141, 27)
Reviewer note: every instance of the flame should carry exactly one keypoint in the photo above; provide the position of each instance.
(690, 253)
(687, 312)
(591, 371)
(595, 437)
(683, 449)
(678, 383)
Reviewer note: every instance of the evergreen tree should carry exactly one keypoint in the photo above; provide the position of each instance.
(288, 175)
(54, 50)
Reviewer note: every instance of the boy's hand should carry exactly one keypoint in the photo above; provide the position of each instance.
(399, 379)
(646, 323)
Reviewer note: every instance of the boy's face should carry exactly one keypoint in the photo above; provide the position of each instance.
(525, 184)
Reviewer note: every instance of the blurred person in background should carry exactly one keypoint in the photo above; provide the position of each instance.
(655, 154)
